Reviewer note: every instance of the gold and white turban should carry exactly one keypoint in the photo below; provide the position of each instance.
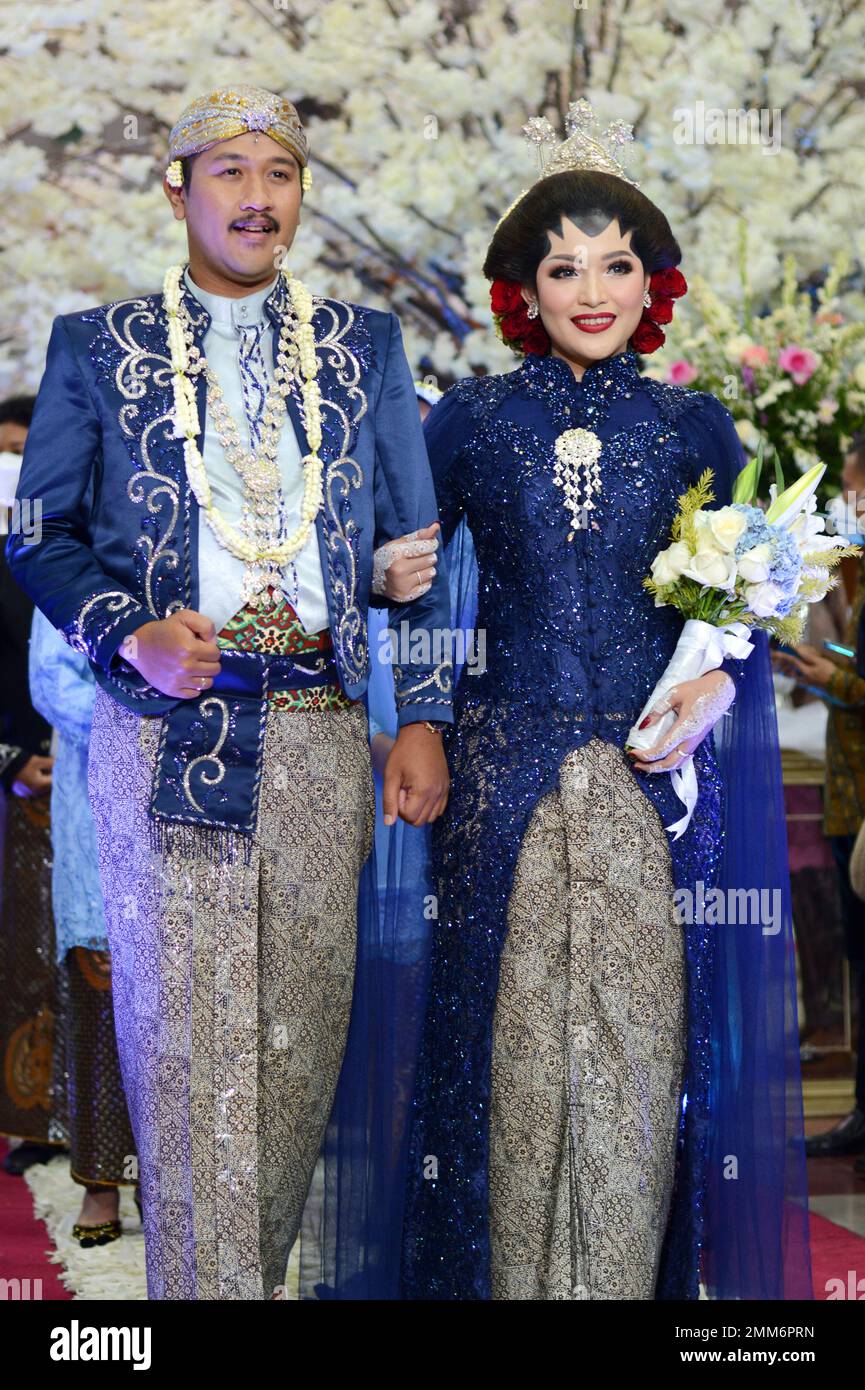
(233, 111)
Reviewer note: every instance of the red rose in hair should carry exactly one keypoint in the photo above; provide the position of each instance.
(664, 287)
(668, 284)
(647, 336)
(661, 311)
(505, 296)
(512, 318)
(536, 339)
(515, 325)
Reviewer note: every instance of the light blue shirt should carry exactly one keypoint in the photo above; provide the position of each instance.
(220, 572)
(62, 688)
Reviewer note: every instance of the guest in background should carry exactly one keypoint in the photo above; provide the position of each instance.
(101, 1143)
(844, 802)
(31, 1102)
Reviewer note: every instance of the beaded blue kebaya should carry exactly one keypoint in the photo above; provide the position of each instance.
(574, 646)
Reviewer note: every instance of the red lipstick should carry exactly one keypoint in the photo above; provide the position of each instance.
(593, 323)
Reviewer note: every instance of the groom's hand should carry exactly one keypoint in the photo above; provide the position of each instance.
(416, 778)
(176, 655)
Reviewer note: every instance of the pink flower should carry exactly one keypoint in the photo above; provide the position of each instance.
(681, 373)
(799, 362)
(755, 356)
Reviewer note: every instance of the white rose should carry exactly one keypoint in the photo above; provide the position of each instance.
(714, 568)
(726, 526)
(763, 599)
(669, 564)
(706, 542)
(754, 564)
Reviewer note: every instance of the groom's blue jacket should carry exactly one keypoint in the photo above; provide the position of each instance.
(118, 544)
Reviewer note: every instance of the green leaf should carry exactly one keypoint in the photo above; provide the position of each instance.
(747, 484)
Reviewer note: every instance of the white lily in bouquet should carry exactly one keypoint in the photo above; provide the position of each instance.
(729, 570)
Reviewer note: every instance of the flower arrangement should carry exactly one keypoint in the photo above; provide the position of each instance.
(794, 376)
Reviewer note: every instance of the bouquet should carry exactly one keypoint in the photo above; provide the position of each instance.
(732, 569)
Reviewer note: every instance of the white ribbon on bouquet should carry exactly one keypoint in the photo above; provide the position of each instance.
(701, 647)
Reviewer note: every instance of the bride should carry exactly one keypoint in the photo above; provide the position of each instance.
(607, 1100)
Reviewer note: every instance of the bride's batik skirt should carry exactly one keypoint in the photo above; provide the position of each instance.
(232, 987)
(588, 1044)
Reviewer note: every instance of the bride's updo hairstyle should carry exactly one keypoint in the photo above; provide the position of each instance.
(591, 200)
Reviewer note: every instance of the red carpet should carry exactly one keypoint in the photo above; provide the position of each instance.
(836, 1254)
(24, 1241)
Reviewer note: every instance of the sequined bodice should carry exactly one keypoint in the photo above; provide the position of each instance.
(568, 621)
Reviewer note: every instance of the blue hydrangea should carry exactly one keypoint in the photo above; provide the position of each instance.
(756, 532)
(785, 564)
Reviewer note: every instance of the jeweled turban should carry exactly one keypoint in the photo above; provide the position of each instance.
(233, 111)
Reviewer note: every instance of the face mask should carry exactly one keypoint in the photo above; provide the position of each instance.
(10, 471)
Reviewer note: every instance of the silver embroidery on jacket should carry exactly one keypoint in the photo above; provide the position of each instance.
(441, 677)
(117, 604)
(158, 491)
(206, 708)
(342, 474)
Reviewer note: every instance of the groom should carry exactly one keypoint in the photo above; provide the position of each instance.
(215, 466)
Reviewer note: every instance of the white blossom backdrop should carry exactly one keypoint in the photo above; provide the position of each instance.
(414, 111)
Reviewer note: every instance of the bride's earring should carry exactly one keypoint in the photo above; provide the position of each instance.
(533, 309)
(647, 300)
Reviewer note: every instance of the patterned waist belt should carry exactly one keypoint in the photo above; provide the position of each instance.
(275, 630)
(209, 761)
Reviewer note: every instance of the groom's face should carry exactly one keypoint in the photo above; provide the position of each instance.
(242, 210)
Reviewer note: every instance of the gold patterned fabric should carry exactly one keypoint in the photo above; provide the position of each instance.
(231, 111)
(588, 1044)
(101, 1145)
(32, 1099)
(233, 987)
(844, 795)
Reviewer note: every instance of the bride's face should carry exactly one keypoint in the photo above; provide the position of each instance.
(590, 292)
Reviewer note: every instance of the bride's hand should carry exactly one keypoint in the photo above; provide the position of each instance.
(405, 568)
(698, 705)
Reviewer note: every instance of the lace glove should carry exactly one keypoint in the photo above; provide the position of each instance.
(405, 568)
(699, 705)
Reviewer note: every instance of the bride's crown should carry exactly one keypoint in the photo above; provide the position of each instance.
(586, 146)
